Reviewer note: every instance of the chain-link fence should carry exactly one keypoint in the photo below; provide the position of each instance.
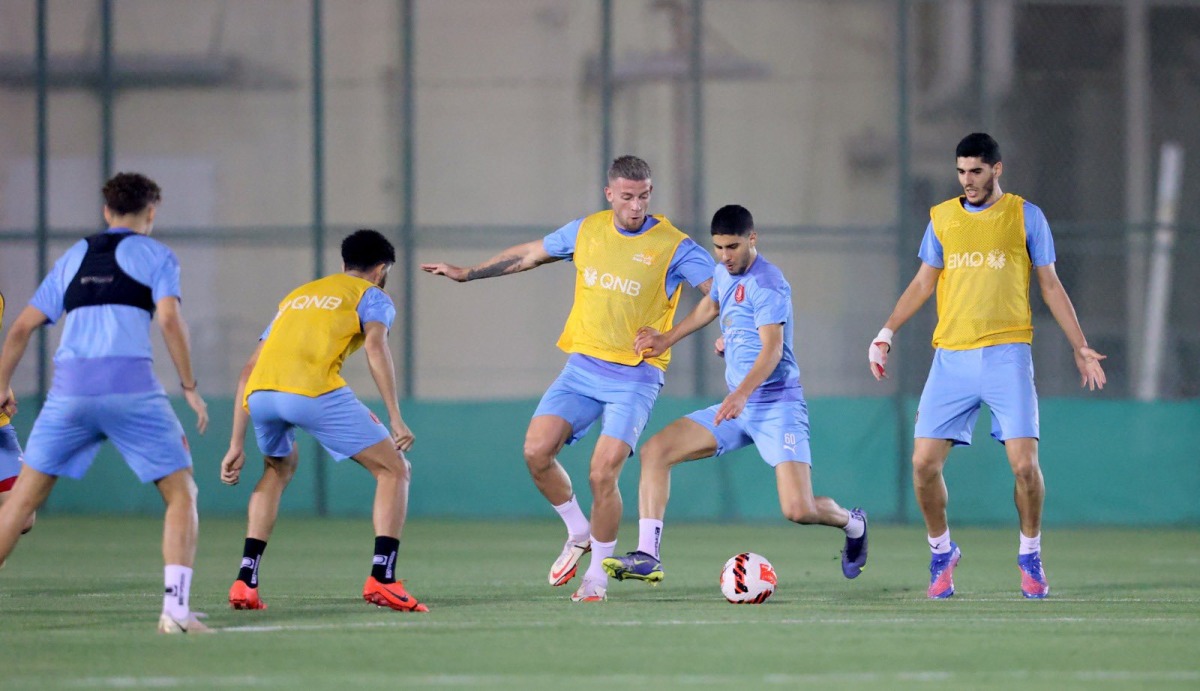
(460, 127)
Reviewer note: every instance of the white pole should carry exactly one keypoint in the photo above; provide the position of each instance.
(1158, 295)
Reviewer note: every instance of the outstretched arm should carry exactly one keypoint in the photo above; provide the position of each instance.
(175, 334)
(911, 300)
(14, 347)
(513, 260)
(650, 343)
(383, 371)
(1087, 360)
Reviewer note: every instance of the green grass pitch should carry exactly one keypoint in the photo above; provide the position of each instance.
(80, 597)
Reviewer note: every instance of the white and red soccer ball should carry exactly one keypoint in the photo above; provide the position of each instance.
(748, 579)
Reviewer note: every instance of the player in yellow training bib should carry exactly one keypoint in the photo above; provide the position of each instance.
(629, 271)
(978, 252)
(294, 380)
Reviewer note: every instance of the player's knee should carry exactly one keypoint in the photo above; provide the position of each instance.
(926, 466)
(800, 512)
(539, 454)
(1027, 471)
(400, 468)
(603, 477)
(28, 526)
(182, 493)
(284, 467)
(656, 453)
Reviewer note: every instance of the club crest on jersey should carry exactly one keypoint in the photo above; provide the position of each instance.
(740, 293)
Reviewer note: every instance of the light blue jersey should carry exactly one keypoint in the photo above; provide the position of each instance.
(753, 299)
(104, 385)
(1038, 240)
(775, 418)
(690, 263)
(106, 348)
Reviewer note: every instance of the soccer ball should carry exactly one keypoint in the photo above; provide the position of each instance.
(748, 579)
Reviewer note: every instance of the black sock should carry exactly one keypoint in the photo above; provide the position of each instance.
(383, 566)
(251, 556)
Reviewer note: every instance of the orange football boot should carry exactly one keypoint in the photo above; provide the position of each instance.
(242, 596)
(391, 595)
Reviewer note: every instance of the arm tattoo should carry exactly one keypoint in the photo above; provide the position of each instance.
(500, 267)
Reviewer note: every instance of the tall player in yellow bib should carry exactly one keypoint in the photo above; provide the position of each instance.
(978, 252)
(294, 380)
(629, 272)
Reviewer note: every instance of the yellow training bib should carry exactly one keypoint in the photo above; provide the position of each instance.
(983, 290)
(620, 286)
(316, 328)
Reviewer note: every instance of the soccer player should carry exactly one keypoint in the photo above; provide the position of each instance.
(629, 271)
(107, 289)
(10, 448)
(765, 405)
(294, 379)
(978, 252)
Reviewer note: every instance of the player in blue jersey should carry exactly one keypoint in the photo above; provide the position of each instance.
(630, 267)
(765, 405)
(979, 252)
(106, 290)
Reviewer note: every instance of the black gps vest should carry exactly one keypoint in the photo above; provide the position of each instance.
(101, 281)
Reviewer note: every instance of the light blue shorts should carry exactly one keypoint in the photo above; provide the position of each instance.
(338, 420)
(10, 457)
(69, 429)
(960, 380)
(580, 397)
(779, 430)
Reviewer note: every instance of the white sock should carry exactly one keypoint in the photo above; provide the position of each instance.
(649, 536)
(178, 581)
(577, 523)
(1030, 545)
(940, 544)
(855, 527)
(600, 552)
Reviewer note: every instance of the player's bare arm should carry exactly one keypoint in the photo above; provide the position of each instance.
(650, 343)
(513, 260)
(911, 300)
(175, 335)
(1087, 360)
(766, 362)
(15, 344)
(235, 457)
(383, 371)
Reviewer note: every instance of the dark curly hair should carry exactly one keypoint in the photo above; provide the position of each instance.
(732, 220)
(130, 193)
(364, 249)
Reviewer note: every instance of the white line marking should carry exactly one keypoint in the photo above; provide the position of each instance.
(850, 621)
(1129, 676)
